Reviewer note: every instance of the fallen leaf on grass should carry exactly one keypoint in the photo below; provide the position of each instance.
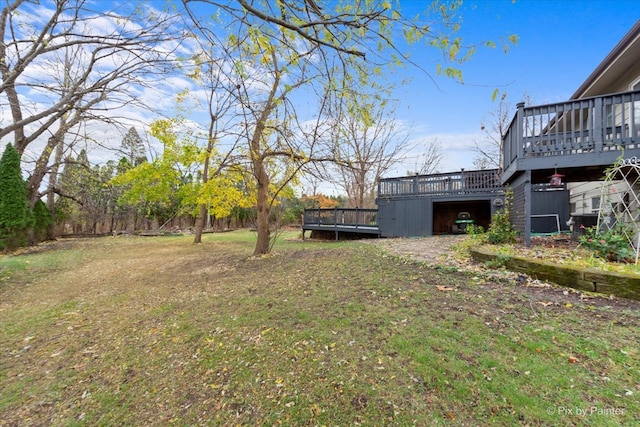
(539, 285)
(573, 359)
(444, 288)
(545, 304)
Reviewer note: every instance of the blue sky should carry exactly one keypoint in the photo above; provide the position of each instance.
(560, 44)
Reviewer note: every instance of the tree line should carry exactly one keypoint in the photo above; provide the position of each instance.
(112, 199)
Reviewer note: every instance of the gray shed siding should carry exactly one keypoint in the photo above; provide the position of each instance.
(414, 216)
(407, 217)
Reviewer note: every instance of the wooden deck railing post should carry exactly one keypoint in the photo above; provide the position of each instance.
(519, 136)
(357, 218)
(598, 130)
(463, 184)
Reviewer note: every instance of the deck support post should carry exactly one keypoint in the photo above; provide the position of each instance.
(527, 208)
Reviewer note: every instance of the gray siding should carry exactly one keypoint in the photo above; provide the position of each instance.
(407, 217)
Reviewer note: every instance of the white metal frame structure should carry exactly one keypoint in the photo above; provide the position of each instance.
(620, 201)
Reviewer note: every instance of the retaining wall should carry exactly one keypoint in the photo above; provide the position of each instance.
(590, 279)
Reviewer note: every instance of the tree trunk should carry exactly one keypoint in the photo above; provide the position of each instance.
(262, 244)
(362, 176)
(51, 187)
(20, 142)
(40, 170)
(202, 216)
(263, 207)
(261, 174)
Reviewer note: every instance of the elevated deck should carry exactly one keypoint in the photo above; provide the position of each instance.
(441, 184)
(427, 205)
(341, 220)
(578, 138)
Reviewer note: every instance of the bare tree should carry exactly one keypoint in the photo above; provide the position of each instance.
(367, 144)
(64, 63)
(489, 150)
(211, 72)
(430, 158)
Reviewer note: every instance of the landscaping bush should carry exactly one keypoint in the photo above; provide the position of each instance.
(500, 230)
(613, 244)
(15, 216)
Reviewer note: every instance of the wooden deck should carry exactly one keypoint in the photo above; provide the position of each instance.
(441, 184)
(579, 138)
(341, 220)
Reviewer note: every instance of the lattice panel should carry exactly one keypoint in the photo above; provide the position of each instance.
(620, 201)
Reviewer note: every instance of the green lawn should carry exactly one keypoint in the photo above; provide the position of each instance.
(159, 331)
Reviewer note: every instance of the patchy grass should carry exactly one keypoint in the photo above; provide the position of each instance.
(158, 331)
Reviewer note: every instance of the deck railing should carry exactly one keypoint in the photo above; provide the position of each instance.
(343, 217)
(588, 125)
(463, 182)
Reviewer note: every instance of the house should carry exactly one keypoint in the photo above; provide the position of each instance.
(618, 72)
(579, 138)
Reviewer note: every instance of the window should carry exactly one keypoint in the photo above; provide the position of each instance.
(595, 204)
(635, 108)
